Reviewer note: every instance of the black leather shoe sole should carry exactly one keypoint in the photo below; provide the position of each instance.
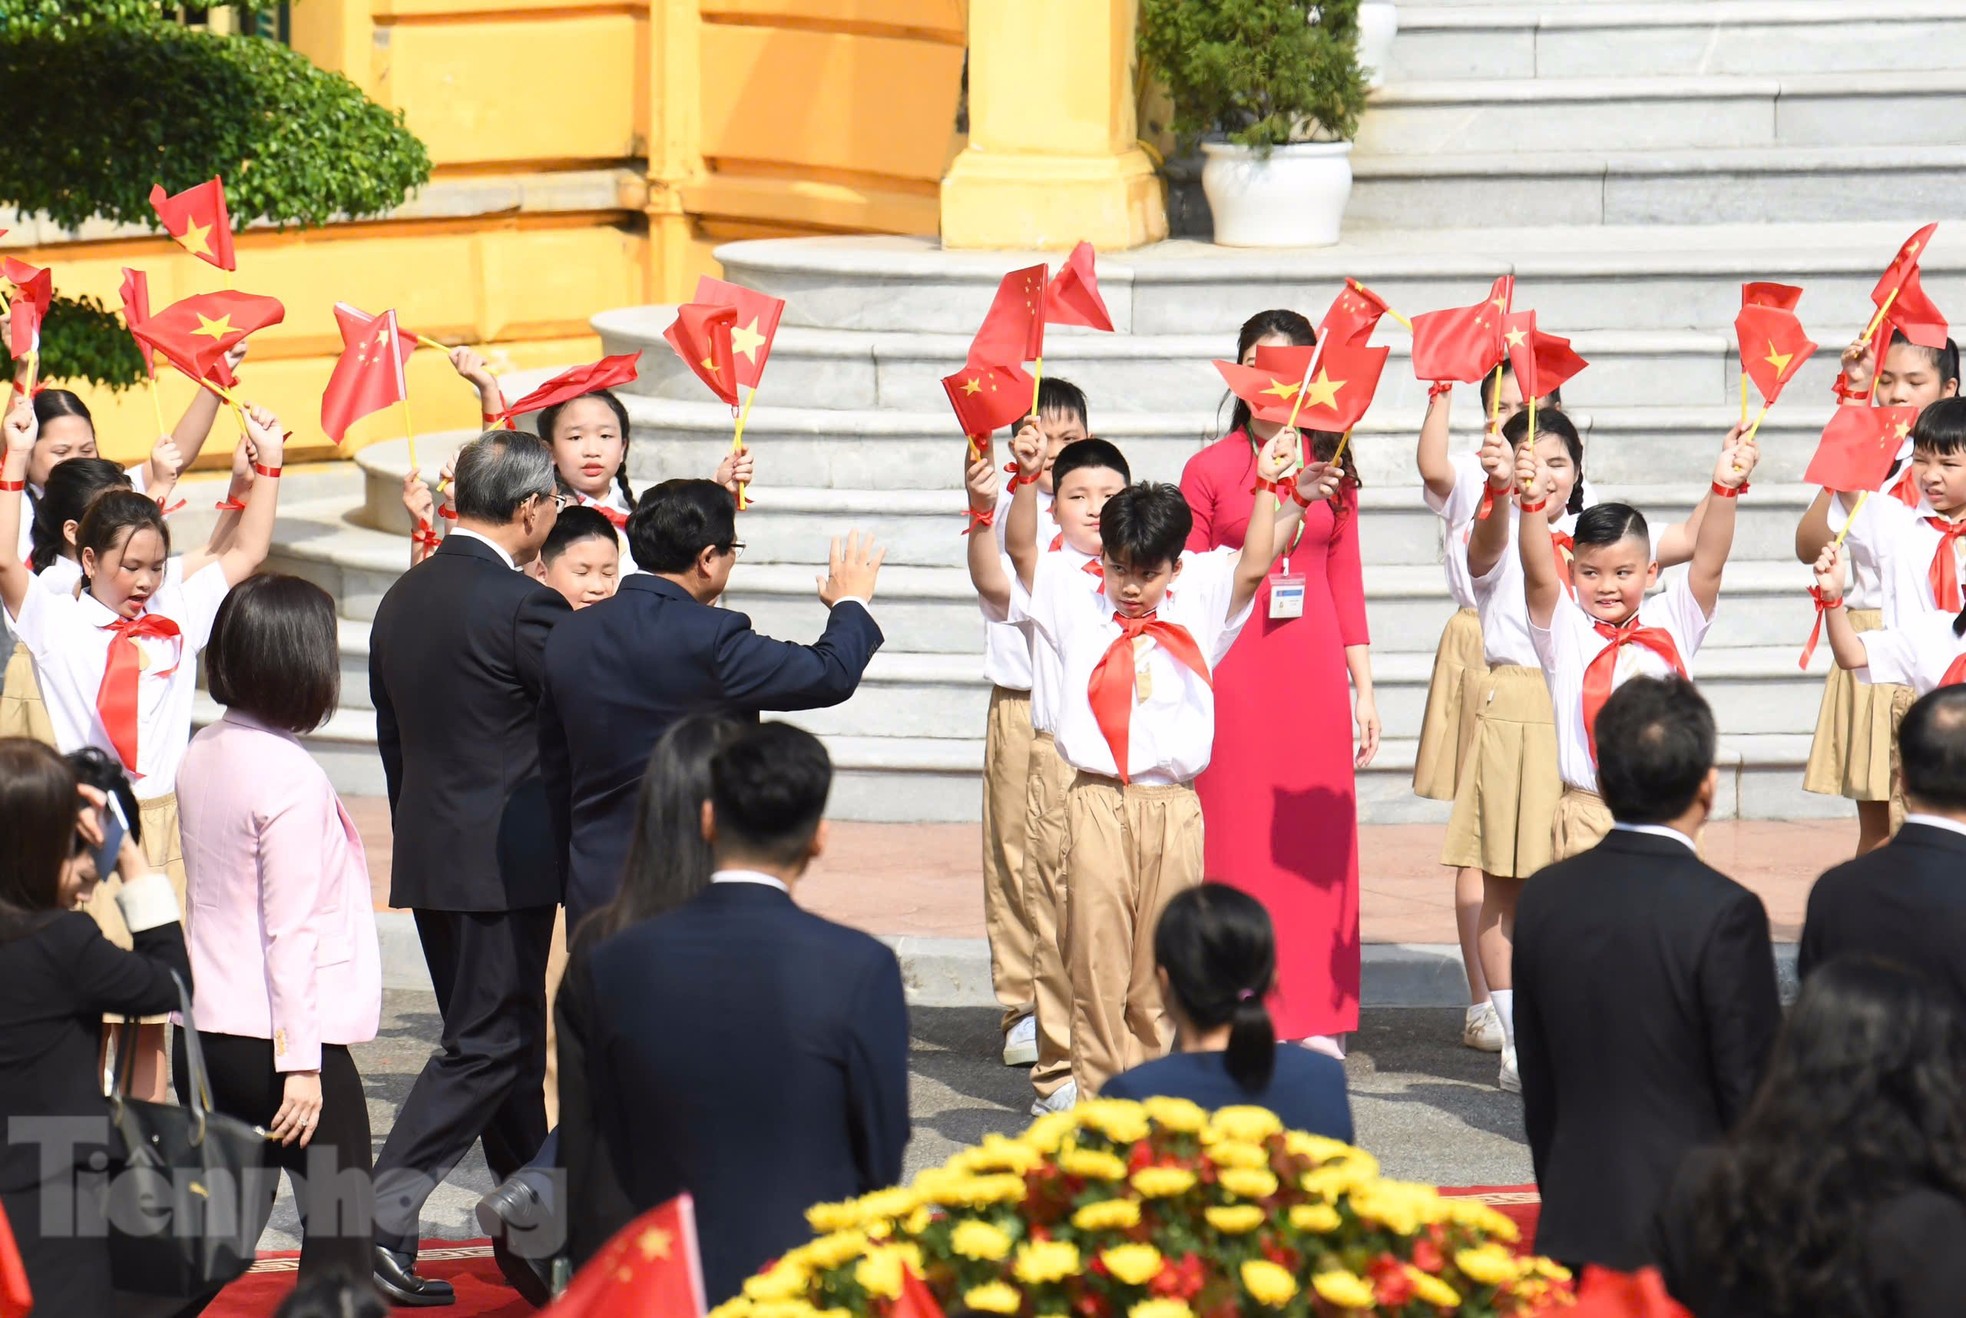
(401, 1286)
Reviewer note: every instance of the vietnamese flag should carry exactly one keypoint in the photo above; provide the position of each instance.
(1013, 330)
(988, 398)
(1268, 392)
(1604, 1293)
(1541, 362)
(194, 333)
(1353, 315)
(36, 291)
(1463, 343)
(701, 334)
(756, 325)
(369, 374)
(1072, 296)
(1915, 314)
(135, 293)
(1336, 397)
(651, 1266)
(607, 373)
(1902, 264)
(1858, 447)
(1773, 347)
(1782, 297)
(197, 218)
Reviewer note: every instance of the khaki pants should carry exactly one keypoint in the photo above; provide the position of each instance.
(22, 714)
(1129, 850)
(1582, 819)
(556, 968)
(1006, 760)
(1045, 897)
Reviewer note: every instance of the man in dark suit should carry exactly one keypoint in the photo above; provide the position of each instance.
(1906, 901)
(455, 660)
(1645, 1002)
(736, 1047)
(619, 673)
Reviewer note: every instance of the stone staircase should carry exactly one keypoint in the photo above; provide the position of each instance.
(1572, 144)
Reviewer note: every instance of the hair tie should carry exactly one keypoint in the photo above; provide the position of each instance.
(1245, 995)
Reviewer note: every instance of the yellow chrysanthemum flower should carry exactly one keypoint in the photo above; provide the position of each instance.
(996, 1154)
(993, 1297)
(1317, 1219)
(1318, 1148)
(1237, 1153)
(1548, 1269)
(1163, 1182)
(980, 1240)
(1490, 1264)
(1048, 1132)
(887, 1205)
(1108, 1215)
(1432, 1290)
(918, 1221)
(1235, 1219)
(783, 1309)
(1399, 1207)
(833, 1251)
(1092, 1164)
(1136, 1265)
(1347, 1290)
(981, 1191)
(1334, 1179)
(879, 1274)
(1041, 1262)
(1268, 1283)
(1475, 1214)
(786, 1281)
(1176, 1114)
(1248, 1125)
(736, 1307)
(1119, 1120)
(825, 1219)
(1161, 1309)
(1249, 1182)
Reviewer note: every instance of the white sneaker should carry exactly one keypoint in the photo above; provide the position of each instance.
(1482, 1031)
(1020, 1043)
(1062, 1099)
(1509, 1079)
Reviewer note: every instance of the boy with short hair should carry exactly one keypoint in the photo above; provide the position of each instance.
(581, 557)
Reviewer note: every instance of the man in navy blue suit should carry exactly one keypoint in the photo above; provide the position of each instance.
(619, 673)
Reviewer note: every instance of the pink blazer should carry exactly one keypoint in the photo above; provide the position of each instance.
(280, 918)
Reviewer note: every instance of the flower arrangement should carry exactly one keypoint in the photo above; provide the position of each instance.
(1157, 1210)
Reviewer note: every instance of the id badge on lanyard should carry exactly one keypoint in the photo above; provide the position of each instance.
(1287, 587)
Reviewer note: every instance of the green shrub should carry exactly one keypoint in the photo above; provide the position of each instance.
(1263, 72)
(82, 339)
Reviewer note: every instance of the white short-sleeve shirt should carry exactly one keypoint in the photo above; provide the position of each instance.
(1172, 732)
(1899, 547)
(66, 636)
(1007, 647)
(1456, 513)
(1500, 596)
(1047, 670)
(1572, 641)
(1915, 653)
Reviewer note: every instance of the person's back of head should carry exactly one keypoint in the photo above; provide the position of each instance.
(65, 497)
(498, 472)
(1932, 752)
(273, 652)
(38, 806)
(674, 522)
(767, 805)
(1217, 954)
(1655, 750)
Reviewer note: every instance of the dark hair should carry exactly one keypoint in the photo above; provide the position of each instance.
(38, 808)
(1604, 524)
(1655, 747)
(95, 767)
(1083, 453)
(677, 520)
(1941, 427)
(496, 473)
(274, 653)
(332, 1295)
(1056, 395)
(1493, 381)
(572, 526)
(1932, 748)
(1219, 950)
(1323, 443)
(1145, 525)
(1945, 360)
(52, 403)
(549, 417)
(1552, 422)
(668, 860)
(112, 517)
(66, 496)
(768, 789)
(1863, 1100)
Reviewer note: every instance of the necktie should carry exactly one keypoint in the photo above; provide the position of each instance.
(1111, 687)
(1944, 572)
(1565, 549)
(1599, 676)
(116, 698)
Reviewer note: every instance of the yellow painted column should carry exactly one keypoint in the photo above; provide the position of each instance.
(675, 142)
(1052, 155)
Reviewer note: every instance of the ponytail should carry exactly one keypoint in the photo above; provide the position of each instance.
(1220, 954)
(1252, 1053)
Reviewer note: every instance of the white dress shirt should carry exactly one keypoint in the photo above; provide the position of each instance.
(1899, 546)
(1936, 821)
(750, 876)
(1916, 651)
(497, 548)
(1007, 646)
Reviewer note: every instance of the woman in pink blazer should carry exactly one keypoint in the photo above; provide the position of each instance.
(279, 914)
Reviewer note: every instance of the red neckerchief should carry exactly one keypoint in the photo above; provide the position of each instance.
(1112, 684)
(1944, 572)
(1598, 676)
(116, 697)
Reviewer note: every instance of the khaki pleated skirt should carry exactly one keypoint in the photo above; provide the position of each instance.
(1448, 728)
(22, 712)
(1580, 823)
(1853, 751)
(1509, 785)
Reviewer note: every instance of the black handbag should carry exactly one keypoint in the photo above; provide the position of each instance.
(182, 1201)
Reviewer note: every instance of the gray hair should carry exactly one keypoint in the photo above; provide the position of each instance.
(498, 471)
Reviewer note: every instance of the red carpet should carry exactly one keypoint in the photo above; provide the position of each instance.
(467, 1265)
(1519, 1203)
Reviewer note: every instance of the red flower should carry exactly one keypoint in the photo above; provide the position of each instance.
(1278, 1253)
(1178, 1281)
(1390, 1284)
(1091, 1304)
(1142, 1156)
(1427, 1255)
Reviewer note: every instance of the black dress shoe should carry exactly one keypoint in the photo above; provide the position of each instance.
(514, 1211)
(395, 1277)
(530, 1277)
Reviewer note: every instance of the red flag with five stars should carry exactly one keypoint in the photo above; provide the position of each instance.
(701, 336)
(369, 374)
(1914, 312)
(135, 293)
(1761, 293)
(197, 218)
(1858, 447)
(988, 398)
(607, 373)
(1353, 314)
(1013, 331)
(1773, 347)
(1338, 393)
(35, 290)
(1072, 296)
(1903, 263)
(1541, 363)
(651, 1266)
(194, 333)
(1462, 343)
(755, 327)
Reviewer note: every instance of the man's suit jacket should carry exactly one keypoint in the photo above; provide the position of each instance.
(619, 673)
(1645, 1010)
(454, 671)
(743, 1050)
(1905, 901)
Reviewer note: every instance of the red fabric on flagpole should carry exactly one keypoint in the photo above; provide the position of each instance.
(1463, 343)
(701, 336)
(1338, 394)
(988, 398)
(1858, 447)
(1914, 312)
(607, 373)
(1542, 363)
(1782, 297)
(198, 220)
(1907, 259)
(1267, 391)
(651, 1266)
(1013, 330)
(194, 333)
(369, 374)
(1352, 316)
(753, 330)
(135, 294)
(1072, 296)
(1773, 347)
(36, 285)
(1602, 1293)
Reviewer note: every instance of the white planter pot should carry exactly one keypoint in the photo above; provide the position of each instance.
(1295, 198)
(1378, 24)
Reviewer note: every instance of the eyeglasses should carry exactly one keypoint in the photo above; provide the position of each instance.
(560, 501)
(736, 549)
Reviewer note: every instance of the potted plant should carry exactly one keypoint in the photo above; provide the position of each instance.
(1273, 91)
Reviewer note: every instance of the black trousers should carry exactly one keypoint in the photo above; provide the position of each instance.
(488, 1080)
(332, 1187)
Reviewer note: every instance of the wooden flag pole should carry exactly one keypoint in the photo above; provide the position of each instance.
(409, 428)
(737, 444)
(1037, 382)
(1759, 416)
(157, 405)
(1495, 398)
(1851, 520)
(1878, 319)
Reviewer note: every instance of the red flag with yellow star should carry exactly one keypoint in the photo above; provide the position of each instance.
(194, 333)
(701, 336)
(369, 374)
(756, 325)
(197, 218)
(135, 293)
(1339, 391)
(607, 373)
(1761, 293)
(1013, 331)
(1858, 447)
(1462, 343)
(1773, 347)
(1353, 315)
(1072, 296)
(35, 290)
(1268, 392)
(988, 398)
(1541, 363)
(651, 1266)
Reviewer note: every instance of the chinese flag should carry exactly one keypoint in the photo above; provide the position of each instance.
(607, 373)
(916, 1299)
(1337, 396)
(1462, 343)
(1915, 313)
(195, 332)
(36, 290)
(756, 325)
(651, 1266)
(135, 293)
(1353, 314)
(701, 336)
(1782, 297)
(1607, 1294)
(1541, 362)
(1267, 391)
(197, 218)
(369, 374)
(1013, 331)
(1773, 347)
(1072, 296)
(988, 398)
(1902, 264)
(1858, 447)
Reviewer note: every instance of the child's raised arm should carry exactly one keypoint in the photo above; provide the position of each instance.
(1832, 579)
(471, 364)
(1270, 529)
(1436, 471)
(985, 563)
(16, 579)
(1020, 530)
(240, 553)
(1489, 539)
(1541, 587)
(1716, 539)
(192, 430)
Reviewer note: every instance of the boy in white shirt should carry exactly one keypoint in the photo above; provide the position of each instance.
(1924, 651)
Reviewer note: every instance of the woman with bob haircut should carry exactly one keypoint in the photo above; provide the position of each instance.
(280, 913)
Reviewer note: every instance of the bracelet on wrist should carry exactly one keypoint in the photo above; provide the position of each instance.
(271, 473)
(1730, 491)
(1535, 507)
(12, 487)
(1439, 388)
